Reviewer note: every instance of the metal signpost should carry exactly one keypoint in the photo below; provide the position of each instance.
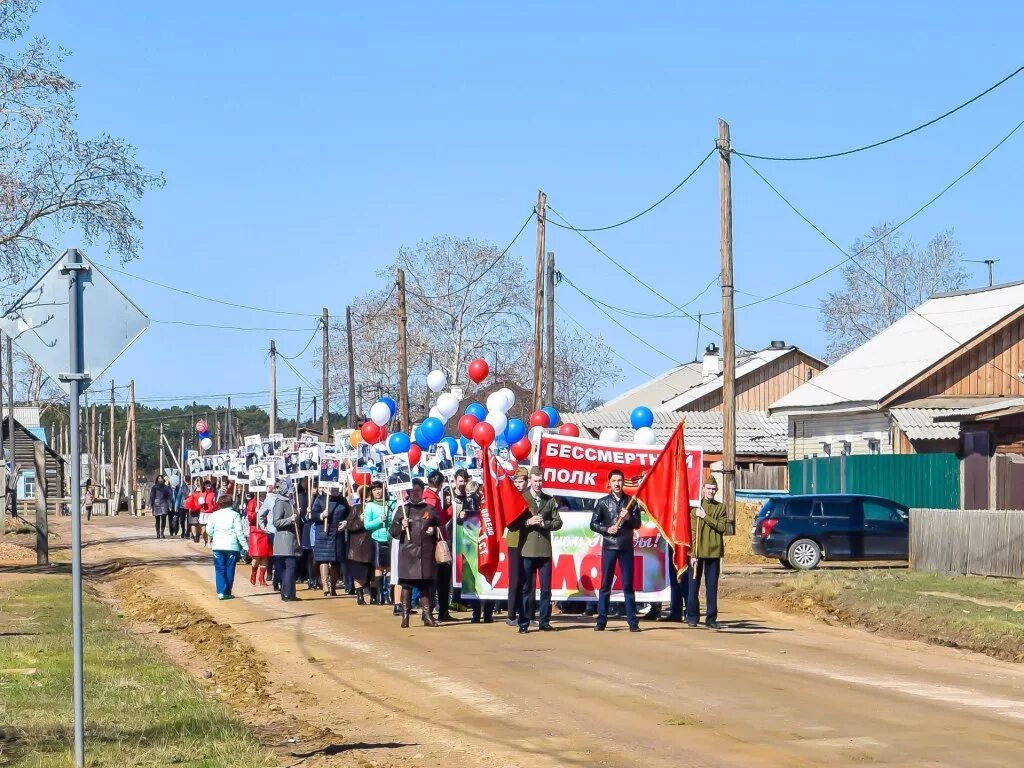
(113, 323)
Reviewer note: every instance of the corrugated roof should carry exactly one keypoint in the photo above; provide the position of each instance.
(920, 424)
(757, 433)
(744, 366)
(659, 389)
(907, 348)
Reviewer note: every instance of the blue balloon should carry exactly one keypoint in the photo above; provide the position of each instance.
(515, 431)
(478, 410)
(500, 441)
(398, 442)
(553, 417)
(392, 406)
(451, 444)
(641, 416)
(432, 429)
(421, 439)
(463, 445)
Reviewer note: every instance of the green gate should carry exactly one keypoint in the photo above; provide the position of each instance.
(929, 480)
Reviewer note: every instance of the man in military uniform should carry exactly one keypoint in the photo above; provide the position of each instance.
(707, 524)
(535, 548)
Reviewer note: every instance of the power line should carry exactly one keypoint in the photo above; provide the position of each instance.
(297, 373)
(646, 210)
(312, 336)
(645, 315)
(898, 136)
(228, 327)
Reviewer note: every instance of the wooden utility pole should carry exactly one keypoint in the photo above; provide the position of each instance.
(298, 413)
(232, 443)
(133, 476)
(13, 479)
(273, 388)
(403, 357)
(113, 455)
(350, 422)
(538, 300)
(728, 331)
(161, 448)
(87, 430)
(42, 537)
(94, 447)
(324, 341)
(549, 329)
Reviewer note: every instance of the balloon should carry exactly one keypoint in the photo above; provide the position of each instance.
(361, 478)
(203, 435)
(380, 413)
(496, 402)
(201, 426)
(464, 444)
(553, 416)
(355, 438)
(207, 443)
(466, 424)
(510, 397)
(432, 429)
(516, 431)
(483, 434)
(379, 450)
(435, 413)
(420, 439)
(451, 444)
(609, 435)
(498, 420)
(415, 454)
(448, 405)
(370, 431)
(399, 442)
(478, 370)
(645, 436)
(436, 381)
(383, 435)
(521, 449)
(175, 480)
(391, 404)
(640, 417)
(569, 430)
(535, 434)
(540, 419)
(477, 410)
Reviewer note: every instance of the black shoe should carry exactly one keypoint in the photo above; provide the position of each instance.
(489, 620)
(634, 627)
(396, 610)
(599, 627)
(670, 617)
(713, 625)
(360, 600)
(523, 630)
(546, 628)
(691, 624)
(475, 620)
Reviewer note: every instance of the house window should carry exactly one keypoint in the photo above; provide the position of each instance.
(874, 445)
(28, 485)
(810, 373)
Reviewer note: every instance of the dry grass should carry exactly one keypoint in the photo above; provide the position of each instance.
(737, 548)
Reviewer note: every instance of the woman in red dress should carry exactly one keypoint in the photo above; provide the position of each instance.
(259, 544)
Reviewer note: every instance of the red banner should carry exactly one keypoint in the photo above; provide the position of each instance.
(578, 466)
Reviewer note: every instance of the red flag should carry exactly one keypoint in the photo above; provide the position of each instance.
(664, 492)
(503, 505)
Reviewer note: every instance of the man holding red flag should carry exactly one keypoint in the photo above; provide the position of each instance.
(503, 506)
(664, 493)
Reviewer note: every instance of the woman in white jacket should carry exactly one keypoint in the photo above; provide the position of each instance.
(227, 540)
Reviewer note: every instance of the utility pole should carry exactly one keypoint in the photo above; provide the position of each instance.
(728, 331)
(161, 448)
(12, 481)
(403, 357)
(86, 413)
(113, 456)
(324, 318)
(273, 388)
(350, 422)
(298, 413)
(538, 299)
(133, 477)
(549, 329)
(314, 413)
(231, 428)
(93, 445)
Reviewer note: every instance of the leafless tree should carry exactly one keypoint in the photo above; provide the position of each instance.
(862, 307)
(584, 366)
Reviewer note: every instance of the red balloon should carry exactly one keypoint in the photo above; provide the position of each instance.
(478, 370)
(569, 430)
(466, 424)
(415, 454)
(361, 478)
(483, 434)
(370, 432)
(522, 449)
(382, 435)
(539, 419)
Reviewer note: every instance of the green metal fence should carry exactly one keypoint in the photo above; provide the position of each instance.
(929, 480)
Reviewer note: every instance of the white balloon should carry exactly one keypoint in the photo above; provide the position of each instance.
(496, 402)
(436, 381)
(645, 436)
(381, 449)
(609, 435)
(175, 481)
(207, 443)
(436, 413)
(380, 414)
(510, 398)
(535, 433)
(498, 420)
(448, 404)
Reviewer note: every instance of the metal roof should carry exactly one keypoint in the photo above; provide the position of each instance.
(920, 424)
(757, 433)
(865, 377)
(1011, 405)
(659, 389)
(744, 366)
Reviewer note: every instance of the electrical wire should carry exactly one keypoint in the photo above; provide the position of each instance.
(646, 210)
(229, 327)
(645, 315)
(312, 336)
(302, 378)
(889, 140)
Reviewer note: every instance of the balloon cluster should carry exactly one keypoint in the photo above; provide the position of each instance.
(203, 433)
(641, 419)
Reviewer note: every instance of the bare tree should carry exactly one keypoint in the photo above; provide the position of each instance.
(862, 307)
(584, 366)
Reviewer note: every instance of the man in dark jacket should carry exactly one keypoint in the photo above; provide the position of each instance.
(615, 518)
(535, 548)
(707, 524)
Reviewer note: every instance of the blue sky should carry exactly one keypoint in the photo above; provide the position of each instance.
(312, 141)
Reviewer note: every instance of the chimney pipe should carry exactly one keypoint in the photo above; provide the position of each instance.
(712, 363)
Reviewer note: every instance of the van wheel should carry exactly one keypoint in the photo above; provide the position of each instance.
(785, 563)
(804, 555)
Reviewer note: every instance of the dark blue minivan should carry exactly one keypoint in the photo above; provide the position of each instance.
(801, 531)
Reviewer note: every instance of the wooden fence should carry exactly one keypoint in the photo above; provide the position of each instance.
(968, 541)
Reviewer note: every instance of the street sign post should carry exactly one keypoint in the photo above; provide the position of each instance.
(98, 331)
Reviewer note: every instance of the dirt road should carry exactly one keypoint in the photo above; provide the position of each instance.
(769, 690)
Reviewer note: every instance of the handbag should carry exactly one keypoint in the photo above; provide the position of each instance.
(442, 553)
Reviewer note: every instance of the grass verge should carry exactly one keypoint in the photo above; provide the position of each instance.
(141, 710)
(969, 612)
